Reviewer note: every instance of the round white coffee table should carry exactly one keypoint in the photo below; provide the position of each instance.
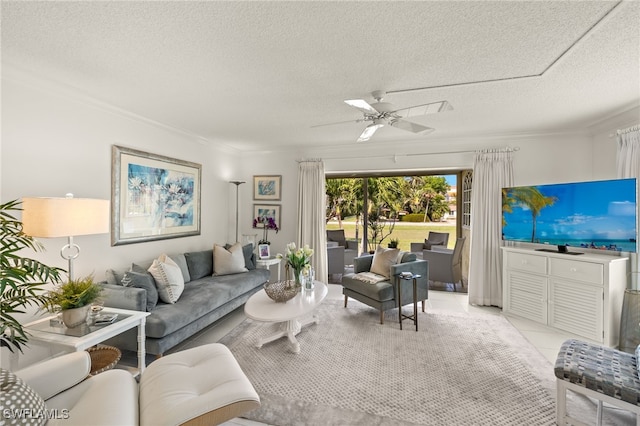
(290, 314)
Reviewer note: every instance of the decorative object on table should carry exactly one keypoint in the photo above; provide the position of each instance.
(153, 197)
(237, 183)
(393, 243)
(263, 251)
(103, 358)
(265, 218)
(73, 299)
(267, 187)
(298, 259)
(250, 239)
(309, 278)
(22, 277)
(65, 217)
(281, 291)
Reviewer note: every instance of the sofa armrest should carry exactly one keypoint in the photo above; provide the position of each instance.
(441, 249)
(417, 267)
(50, 377)
(131, 298)
(362, 263)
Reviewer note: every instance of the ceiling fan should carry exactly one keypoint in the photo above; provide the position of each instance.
(386, 114)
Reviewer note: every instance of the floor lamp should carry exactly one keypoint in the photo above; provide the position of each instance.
(237, 183)
(65, 217)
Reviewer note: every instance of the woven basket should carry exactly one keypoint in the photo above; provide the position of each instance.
(103, 358)
(281, 291)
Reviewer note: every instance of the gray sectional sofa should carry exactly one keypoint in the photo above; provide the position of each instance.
(205, 299)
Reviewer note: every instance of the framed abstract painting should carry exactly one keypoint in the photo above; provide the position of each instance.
(267, 187)
(153, 197)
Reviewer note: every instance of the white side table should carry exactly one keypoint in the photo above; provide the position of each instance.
(267, 263)
(85, 336)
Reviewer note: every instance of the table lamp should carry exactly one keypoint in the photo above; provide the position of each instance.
(65, 217)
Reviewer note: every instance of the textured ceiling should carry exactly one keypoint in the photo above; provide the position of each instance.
(261, 74)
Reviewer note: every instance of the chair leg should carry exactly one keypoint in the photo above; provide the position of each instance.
(381, 316)
(345, 300)
(561, 403)
(423, 306)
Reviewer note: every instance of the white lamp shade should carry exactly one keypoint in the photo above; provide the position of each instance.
(64, 217)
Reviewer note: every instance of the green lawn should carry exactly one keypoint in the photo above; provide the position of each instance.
(407, 233)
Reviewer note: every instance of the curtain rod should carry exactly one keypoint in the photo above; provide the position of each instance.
(395, 156)
(628, 129)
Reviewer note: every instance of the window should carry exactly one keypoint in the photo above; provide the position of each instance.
(467, 181)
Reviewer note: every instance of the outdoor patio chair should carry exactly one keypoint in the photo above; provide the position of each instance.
(433, 239)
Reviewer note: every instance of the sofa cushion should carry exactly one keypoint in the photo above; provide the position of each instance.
(168, 278)
(201, 297)
(181, 261)
(230, 261)
(380, 291)
(199, 263)
(145, 281)
(249, 257)
(383, 258)
(16, 395)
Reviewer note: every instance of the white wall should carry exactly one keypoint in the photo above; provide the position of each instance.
(52, 145)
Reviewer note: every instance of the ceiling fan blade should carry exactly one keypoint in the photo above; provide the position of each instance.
(430, 108)
(362, 105)
(411, 127)
(368, 132)
(360, 120)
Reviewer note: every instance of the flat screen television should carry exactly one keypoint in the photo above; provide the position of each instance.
(596, 215)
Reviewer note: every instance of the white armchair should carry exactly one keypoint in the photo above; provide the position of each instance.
(203, 385)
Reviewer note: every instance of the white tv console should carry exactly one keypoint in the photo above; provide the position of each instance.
(581, 294)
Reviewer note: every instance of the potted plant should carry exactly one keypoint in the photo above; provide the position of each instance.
(393, 243)
(73, 299)
(21, 278)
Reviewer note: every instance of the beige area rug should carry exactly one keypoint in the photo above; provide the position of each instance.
(457, 369)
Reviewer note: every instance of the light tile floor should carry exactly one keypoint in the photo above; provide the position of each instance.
(545, 339)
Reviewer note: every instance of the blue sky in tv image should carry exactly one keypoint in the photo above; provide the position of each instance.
(597, 214)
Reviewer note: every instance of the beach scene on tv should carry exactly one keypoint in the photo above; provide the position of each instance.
(596, 215)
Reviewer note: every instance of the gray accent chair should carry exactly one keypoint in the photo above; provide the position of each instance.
(382, 295)
(335, 258)
(433, 239)
(350, 246)
(445, 265)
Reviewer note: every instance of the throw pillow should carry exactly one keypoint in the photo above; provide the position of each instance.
(15, 397)
(145, 281)
(249, 258)
(168, 278)
(427, 245)
(383, 258)
(226, 262)
(200, 264)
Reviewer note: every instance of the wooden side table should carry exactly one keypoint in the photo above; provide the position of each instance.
(401, 316)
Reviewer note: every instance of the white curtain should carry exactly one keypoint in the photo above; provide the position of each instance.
(312, 213)
(628, 162)
(492, 171)
(629, 153)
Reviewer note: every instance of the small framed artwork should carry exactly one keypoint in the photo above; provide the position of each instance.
(267, 187)
(263, 251)
(261, 211)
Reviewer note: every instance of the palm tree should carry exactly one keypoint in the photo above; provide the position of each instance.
(533, 199)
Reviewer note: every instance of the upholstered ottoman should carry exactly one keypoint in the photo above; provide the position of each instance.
(199, 386)
(598, 372)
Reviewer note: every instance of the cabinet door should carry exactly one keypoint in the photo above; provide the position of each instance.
(527, 296)
(576, 307)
